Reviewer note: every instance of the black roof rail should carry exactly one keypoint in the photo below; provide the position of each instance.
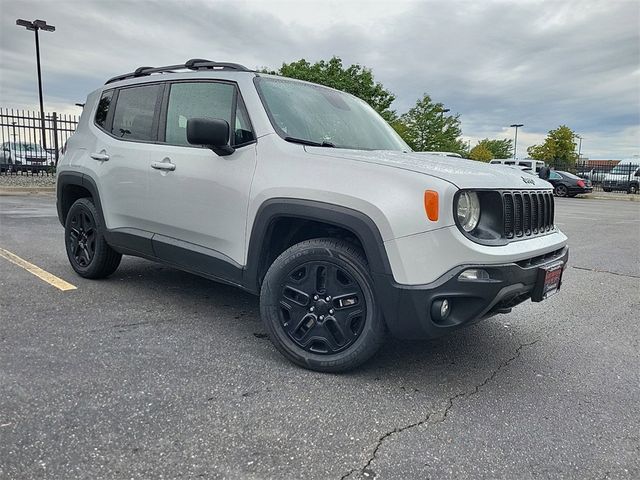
(192, 64)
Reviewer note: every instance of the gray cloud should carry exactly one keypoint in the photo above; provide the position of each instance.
(542, 63)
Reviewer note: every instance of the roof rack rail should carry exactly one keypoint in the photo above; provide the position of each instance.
(192, 64)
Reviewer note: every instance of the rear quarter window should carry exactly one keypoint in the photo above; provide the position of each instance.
(103, 109)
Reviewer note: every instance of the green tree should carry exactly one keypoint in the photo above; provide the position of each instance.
(559, 148)
(425, 128)
(354, 79)
(481, 152)
(498, 148)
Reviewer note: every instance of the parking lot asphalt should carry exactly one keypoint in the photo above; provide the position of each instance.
(156, 373)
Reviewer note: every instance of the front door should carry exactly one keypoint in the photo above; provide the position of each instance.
(198, 200)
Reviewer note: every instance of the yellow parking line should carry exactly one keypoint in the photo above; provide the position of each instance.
(37, 271)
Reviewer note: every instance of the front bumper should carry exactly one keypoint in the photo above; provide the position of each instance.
(407, 309)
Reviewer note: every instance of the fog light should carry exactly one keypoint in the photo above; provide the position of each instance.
(474, 274)
(440, 309)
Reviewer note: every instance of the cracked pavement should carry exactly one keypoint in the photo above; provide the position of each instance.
(155, 373)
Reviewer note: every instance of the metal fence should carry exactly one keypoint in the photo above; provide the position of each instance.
(21, 141)
(607, 176)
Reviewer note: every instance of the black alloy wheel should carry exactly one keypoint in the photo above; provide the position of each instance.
(89, 253)
(318, 305)
(322, 307)
(82, 237)
(561, 191)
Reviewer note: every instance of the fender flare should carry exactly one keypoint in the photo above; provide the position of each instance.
(356, 222)
(66, 179)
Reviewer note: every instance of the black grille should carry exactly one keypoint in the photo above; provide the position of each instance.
(527, 213)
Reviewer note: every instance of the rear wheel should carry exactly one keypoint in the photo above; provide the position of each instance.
(318, 306)
(561, 191)
(87, 250)
(633, 188)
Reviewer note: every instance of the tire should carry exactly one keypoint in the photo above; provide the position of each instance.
(88, 252)
(350, 333)
(561, 191)
(633, 189)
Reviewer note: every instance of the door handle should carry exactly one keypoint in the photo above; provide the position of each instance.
(102, 156)
(167, 166)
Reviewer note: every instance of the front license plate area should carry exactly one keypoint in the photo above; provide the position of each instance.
(548, 282)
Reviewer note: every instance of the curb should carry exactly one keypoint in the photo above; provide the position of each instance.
(620, 198)
(7, 191)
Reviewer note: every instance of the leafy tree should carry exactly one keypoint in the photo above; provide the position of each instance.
(558, 148)
(425, 128)
(354, 79)
(481, 152)
(498, 148)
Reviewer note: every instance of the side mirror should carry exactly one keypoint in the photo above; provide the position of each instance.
(210, 132)
(544, 173)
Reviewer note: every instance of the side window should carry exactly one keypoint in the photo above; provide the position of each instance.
(103, 108)
(555, 176)
(243, 133)
(196, 100)
(134, 112)
(205, 100)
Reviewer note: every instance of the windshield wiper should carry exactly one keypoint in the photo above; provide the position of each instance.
(311, 143)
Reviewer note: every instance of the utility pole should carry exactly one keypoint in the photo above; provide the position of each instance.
(515, 141)
(35, 26)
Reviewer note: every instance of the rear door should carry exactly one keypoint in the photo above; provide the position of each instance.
(199, 200)
(126, 120)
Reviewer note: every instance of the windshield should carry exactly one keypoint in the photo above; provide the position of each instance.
(326, 117)
(624, 169)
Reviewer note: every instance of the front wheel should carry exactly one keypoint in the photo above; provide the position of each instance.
(633, 189)
(318, 306)
(88, 252)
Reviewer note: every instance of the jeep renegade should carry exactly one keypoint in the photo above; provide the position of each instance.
(305, 196)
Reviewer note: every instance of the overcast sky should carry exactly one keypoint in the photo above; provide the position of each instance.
(540, 63)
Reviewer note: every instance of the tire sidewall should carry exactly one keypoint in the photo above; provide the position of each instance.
(373, 329)
(561, 191)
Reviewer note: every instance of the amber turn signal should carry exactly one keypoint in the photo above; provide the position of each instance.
(431, 204)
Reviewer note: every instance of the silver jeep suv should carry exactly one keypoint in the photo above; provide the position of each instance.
(305, 196)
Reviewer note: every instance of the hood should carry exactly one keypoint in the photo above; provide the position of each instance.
(458, 171)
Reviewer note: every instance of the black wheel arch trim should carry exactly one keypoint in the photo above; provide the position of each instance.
(354, 221)
(81, 180)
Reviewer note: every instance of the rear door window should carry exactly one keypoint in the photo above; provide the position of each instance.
(134, 117)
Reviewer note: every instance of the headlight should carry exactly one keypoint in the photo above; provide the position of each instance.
(468, 210)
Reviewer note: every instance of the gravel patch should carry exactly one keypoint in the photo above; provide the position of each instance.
(27, 180)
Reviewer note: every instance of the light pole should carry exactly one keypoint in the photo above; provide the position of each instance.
(579, 146)
(35, 26)
(515, 141)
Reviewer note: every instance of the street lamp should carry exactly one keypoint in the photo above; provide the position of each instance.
(35, 26)
(579, 146)
(515, 141)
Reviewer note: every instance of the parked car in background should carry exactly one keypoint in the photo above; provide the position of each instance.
(567, 184)
(625, 177)
(24, 156)
(533, 165)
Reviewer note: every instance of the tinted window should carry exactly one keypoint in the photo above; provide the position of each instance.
(199, 100)
(134, 112)
(554, 176)
(103, 108)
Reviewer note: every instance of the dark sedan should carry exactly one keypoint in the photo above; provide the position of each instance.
(566, 184)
